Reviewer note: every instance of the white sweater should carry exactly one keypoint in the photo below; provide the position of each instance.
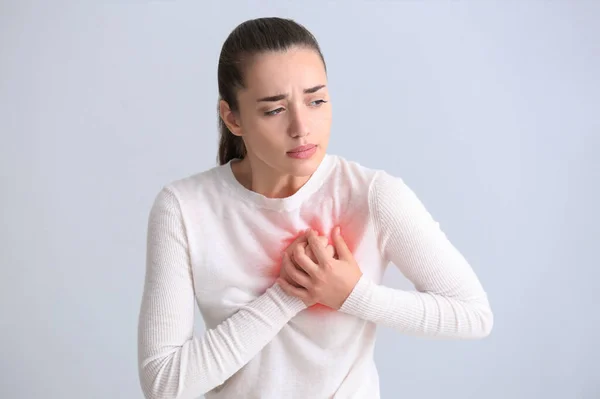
(213, 243)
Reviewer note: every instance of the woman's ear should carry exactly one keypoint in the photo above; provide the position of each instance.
(230, 118)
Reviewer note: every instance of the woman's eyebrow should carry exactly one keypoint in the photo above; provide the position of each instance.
(279, 97)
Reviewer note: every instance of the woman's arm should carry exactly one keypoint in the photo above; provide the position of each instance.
(449, 301)
(173, 363)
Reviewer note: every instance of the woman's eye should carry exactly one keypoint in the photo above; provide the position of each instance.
(316, 103)
(274, 112)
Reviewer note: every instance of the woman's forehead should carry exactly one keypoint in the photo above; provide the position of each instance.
(276, 72)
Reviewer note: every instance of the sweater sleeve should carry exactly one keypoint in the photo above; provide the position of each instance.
(172, 362)
(448, 301)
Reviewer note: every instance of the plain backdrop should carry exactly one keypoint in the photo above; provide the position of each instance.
(489, 110)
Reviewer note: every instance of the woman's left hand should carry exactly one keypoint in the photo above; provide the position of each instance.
(329, 281)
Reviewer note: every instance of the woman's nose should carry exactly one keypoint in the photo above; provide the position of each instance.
(298, 123)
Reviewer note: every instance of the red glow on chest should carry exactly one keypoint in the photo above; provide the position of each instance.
(320, 308)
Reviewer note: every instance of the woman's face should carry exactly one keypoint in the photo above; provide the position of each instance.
(283, 109)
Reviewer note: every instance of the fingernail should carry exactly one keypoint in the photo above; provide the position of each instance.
(337, 230)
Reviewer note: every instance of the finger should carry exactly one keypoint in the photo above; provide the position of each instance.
(291, 290)
(292, 282)
(310, 254)
(340, 245)
(317, 248)
(330, 251)
(284, 275)
(323, 240)
(298, 240)
(297, 275)
(304, 262)
(300, 247)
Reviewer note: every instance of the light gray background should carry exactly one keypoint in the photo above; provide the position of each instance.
(488, 110)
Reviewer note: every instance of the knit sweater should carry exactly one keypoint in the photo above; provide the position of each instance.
(215, 244)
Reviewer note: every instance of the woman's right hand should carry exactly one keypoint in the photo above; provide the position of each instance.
(302, 241)
(288, 256)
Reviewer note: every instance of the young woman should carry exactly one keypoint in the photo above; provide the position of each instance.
(283, 247)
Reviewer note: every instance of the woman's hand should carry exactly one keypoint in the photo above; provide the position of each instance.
(328, 281)
(302, 241)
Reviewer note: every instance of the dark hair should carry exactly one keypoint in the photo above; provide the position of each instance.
(250, 38)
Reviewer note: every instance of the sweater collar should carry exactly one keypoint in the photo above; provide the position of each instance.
(289, 203)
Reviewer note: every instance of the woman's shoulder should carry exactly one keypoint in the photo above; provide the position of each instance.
(373, 183)
(195, 187)
(356, 173)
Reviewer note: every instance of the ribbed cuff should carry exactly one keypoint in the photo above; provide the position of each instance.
(289, 304)
(358, 300)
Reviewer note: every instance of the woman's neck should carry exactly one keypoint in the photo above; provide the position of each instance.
(258, 177)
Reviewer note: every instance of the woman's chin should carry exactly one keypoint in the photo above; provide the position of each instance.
(304, 167)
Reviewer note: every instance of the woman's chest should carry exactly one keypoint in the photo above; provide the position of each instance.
(239, 257)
